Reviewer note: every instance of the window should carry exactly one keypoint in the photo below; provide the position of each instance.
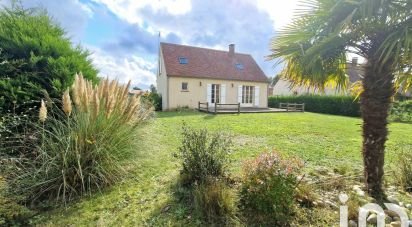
(184, 86)
(247, 94)
(183, 60)
(215, 98)
(239, 66)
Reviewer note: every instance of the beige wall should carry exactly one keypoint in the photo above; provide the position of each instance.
(161, 81)
(197, 92)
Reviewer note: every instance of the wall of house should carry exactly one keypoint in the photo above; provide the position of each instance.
(282, 87)
(197, 91)
(161, 81)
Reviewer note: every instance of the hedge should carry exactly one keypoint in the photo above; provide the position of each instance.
(401, 111)
(336, 105)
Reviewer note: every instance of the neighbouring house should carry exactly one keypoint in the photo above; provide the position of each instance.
(353, 71)
(188, 75)
(137, 92)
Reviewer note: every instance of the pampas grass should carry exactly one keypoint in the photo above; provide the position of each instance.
(85, 146)
(42, 112)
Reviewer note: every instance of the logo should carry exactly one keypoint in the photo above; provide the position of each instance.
(370, 207)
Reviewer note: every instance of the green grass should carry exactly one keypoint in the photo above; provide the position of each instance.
(147, 196)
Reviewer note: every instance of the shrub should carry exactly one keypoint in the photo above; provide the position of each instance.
(214, 201)
(36, 54)
(155, 99)
(268, 187)
(203, 154)
(336, 105)
(83, 149)
(401, 111)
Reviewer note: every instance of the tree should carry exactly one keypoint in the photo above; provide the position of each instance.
(314, 49)
(36, 56)
(153, 89)
(273, 80)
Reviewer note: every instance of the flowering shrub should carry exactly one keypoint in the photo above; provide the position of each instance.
(268, 186)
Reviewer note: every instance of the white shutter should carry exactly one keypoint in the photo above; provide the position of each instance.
(223, 94)
(209, 93)
(239, 94)
(257, 95)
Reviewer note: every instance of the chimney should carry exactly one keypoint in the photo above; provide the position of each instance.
(354, 61)
(231, 50)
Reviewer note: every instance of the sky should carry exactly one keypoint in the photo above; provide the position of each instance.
(123, 35)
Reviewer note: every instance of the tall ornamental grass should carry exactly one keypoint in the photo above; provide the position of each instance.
(83, 147)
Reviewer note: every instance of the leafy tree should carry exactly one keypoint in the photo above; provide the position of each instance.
(314, 49)
(36, 55)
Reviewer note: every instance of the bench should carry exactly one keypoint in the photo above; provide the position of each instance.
(295, 107)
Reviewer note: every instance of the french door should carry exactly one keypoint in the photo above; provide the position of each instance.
(248, 95)
(215, 94)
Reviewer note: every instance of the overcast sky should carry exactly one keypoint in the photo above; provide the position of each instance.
(123, 34)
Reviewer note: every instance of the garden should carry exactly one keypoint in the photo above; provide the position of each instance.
(81, 150)
(152, 192)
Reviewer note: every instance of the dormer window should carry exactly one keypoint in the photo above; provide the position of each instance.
(183, 60)
(239, 66)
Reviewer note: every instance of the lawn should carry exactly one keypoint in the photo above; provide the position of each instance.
(146, 196)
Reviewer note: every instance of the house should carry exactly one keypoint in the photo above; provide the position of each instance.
(188, 75)
(353, 71)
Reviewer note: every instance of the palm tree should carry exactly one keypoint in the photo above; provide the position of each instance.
(314, 49)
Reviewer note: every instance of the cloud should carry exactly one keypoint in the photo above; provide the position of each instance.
(141, 72)
(72, 15)
(128, 10)
(281, 13)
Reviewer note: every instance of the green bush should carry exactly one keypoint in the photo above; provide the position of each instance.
(36, 55)
(203, 154)
(268, 187)
(401, 111)
(214, 201)
(83, 149)
(336, 105)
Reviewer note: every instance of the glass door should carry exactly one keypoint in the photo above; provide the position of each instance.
(215, 94)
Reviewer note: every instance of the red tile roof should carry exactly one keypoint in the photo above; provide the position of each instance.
(210, 64)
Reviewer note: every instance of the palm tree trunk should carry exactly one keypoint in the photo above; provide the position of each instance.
(375, 103)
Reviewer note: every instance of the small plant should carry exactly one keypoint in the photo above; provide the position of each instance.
(203, 154)
(214, 201)
(11, 213)
(404, 173)
(268, 187)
